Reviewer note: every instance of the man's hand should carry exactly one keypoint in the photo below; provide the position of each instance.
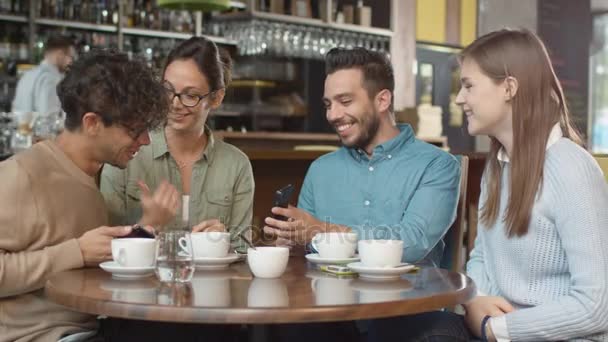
(300, 227)
(482, 306)
(213, 225)
(96, 244)
(158, 208)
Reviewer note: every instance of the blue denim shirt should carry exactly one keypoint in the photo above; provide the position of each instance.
(407, 190)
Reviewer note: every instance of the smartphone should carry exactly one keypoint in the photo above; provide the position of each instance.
(281, 199)
(137, 231)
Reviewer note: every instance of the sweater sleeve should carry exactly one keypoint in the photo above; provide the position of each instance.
(23, 270)
(580, 196)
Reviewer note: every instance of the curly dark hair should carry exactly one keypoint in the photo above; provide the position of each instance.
(376, 67)
(121, 91)
(213, 62)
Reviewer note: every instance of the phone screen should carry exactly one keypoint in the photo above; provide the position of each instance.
(281, 199)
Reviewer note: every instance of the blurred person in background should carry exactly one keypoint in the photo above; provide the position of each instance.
(37, 88)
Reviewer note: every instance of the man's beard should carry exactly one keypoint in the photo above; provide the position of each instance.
(369, 130)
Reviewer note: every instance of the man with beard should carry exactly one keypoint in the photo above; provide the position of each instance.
(53, 217)
(37, 88)
(383, 183)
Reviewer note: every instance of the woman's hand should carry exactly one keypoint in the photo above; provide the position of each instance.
(160, 207)
(213, 225)
(482, 306)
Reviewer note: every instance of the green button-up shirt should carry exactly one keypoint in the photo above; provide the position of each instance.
(222, 185)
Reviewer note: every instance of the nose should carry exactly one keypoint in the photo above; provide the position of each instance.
(175, 101)
(460, 97)
(333, 113)
(144, 138)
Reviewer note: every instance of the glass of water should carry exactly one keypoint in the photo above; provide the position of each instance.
(174, 257)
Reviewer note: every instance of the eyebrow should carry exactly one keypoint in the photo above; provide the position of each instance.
(185, 89)
(465, 79)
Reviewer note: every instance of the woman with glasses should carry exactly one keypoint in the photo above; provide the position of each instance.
(215, 178)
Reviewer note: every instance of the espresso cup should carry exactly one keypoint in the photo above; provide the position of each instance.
(134, 252)
(210, 244)
(268, 262)
(380, 253)
(335, 245)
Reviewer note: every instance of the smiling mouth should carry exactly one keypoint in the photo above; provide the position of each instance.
(343, 127)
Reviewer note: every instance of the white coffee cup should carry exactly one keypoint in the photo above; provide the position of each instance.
(210, 244)
(380, 253)
(268, 262)
(267, 293)
(134, 252)
(335, 245)
(333, 291)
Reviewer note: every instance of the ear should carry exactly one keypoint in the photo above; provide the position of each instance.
(383, 100)
(511, 86)
(217, 98)
(91, 124)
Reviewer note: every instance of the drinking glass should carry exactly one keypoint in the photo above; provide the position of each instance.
(174, 257)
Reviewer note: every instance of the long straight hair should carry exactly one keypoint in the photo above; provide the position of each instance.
(538, 105)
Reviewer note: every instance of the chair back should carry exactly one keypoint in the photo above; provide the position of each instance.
(603, 161)
(453, 252)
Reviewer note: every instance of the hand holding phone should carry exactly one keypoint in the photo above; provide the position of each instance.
(137, 231)
(281, 199)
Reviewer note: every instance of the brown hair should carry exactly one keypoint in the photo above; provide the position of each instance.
(376, 67)
(538, 105)
(214, 63)
(119, 90)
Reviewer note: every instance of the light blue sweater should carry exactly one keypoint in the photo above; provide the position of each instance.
(557, 274)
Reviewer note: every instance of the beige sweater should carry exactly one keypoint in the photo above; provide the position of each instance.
(46, 203)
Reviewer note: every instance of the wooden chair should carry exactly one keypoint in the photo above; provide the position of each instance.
(603, 161)
(453, 258)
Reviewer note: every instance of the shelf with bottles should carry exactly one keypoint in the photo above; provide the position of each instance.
(13, 18)
(14, 48)
(19, 8)
(355, 16)
(265, 30)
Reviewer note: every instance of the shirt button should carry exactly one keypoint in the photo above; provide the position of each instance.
(371, 168)
(366, 203)
(389, 156)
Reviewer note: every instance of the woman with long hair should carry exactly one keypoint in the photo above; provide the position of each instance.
(540, 260)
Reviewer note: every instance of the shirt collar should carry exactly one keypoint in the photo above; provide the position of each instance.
(554, 136)
(50, 66)
(160, 147)
(405, 136)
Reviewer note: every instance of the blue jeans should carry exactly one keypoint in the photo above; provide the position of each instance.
(436, 326)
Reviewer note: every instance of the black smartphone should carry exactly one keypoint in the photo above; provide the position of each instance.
(137, 231)
(281, 199)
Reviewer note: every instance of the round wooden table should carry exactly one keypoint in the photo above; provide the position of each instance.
(302, 294)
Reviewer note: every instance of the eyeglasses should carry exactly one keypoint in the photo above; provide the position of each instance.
(135, 132)
(186, 99)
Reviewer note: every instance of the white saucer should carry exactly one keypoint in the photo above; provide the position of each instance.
(316, 258)
(380, 273)
(208, 263)
(120, 272)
